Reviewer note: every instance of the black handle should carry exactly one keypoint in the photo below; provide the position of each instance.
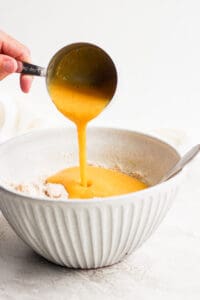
(30, 69)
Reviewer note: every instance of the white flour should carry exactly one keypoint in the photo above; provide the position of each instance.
(39, 188)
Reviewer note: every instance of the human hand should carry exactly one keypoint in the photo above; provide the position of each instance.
(12, 51)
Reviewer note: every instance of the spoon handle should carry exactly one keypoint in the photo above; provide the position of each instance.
(182, 162)
(30, 69)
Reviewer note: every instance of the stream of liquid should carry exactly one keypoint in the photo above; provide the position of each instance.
(81, 106)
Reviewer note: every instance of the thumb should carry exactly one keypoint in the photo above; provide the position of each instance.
(8, 65)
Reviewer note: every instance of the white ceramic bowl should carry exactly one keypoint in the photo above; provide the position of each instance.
(95, 232)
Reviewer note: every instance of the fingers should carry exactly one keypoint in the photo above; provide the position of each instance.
(8, 65)
(13, 48)
(25, 82)
(9, 47)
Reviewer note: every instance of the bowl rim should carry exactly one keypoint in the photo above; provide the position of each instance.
(136, 194)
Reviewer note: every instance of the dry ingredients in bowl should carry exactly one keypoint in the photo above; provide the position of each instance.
(103, 187)
(119, 183)
(38, 188)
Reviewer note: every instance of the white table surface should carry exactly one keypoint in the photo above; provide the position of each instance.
(155, 45)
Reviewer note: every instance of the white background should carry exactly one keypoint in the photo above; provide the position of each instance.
(156, 47)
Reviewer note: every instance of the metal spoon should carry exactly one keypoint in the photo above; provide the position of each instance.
(181, 163)
(86, 67)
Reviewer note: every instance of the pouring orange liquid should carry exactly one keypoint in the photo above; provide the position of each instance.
(81, 106)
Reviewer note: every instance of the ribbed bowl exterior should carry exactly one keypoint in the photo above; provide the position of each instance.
(88, 234)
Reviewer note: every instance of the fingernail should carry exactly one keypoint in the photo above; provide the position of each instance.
(8, 66)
